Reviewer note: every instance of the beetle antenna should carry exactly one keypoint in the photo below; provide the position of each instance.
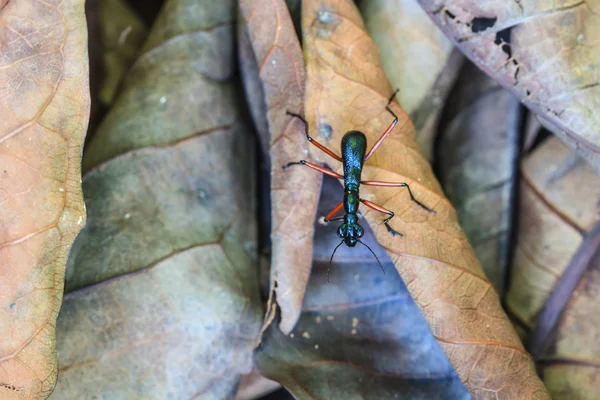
(375, 255)
(331, 259)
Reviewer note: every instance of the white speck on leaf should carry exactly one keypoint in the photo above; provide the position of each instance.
(325, 17)
(163, 100)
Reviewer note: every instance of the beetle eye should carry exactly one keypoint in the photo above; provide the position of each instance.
(360, 231)
(342, 230)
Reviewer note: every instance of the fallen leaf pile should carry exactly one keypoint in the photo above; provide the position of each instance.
(178, 249)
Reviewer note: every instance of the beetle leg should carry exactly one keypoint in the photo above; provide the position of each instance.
(324, 170)
(388, 130)
(313, 141)
(377, 207)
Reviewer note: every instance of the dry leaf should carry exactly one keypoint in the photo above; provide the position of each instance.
(556, 206)
(167, 304)
(477, 163)
(418, 58)
(570, 365)
(43, 116)
(347, 89)
(360, 334)
(546, 53)
(560, 198)
(295, 191)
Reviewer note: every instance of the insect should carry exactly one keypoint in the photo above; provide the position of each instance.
(354, 154)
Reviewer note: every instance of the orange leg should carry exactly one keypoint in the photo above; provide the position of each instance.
(398, 184)
(313, 141)
(388, 130)
(324, 170)
(335, 210)
(377, 207)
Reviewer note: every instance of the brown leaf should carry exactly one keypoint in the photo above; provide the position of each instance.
(348, 90)
(163, 284)
(546, 53)
(360, 334)
(295, 191)
(477, 163)
(560, 198)
(43, 116)
(417, 57)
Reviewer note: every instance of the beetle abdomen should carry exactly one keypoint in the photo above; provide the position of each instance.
(354, 147)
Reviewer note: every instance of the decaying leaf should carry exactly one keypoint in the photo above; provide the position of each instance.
(560, 200)
(477, 165)
(163, 282)
(360, 334)
(545, 52)
(417, 58)
(347, 89)
(295, 191)
(44, 111)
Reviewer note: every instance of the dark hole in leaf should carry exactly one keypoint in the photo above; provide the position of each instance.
(503, 38)
(479, 24)
(448, 13)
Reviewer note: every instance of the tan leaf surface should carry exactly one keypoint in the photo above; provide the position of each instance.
(295, 191)
(163, 295)
(416, 56)
(546, 52)
(347, 89)
(413, 49)
(560, 198)
(44, 111)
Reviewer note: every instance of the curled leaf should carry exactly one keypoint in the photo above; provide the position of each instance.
(347, 90)
(546, 53)
(43, 117)
(294, 191)
(163, 283)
